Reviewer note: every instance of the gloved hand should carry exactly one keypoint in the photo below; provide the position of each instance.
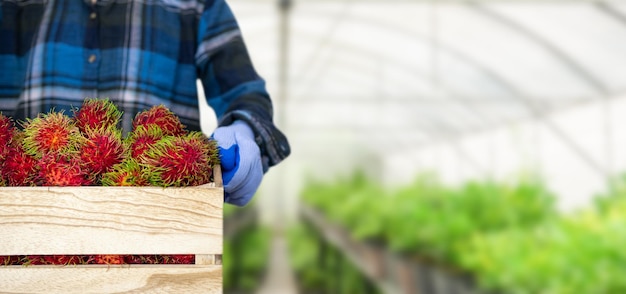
(240, 158)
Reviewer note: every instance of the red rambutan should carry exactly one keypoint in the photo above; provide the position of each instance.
(52, 132)
(19, 168)
(32, 260)
(109, 259)
(60, 170)
(9, 260)
(97, 113)
(183, 259)
(63, 259)
(142, 139)
(181, 161)
(7, 131)
(161, 117)
(127, 173)
(102, 149)
(139, 259)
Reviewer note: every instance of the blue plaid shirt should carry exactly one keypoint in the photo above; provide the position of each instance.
(56, 53)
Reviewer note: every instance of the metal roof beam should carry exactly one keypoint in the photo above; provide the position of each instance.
(555, 51)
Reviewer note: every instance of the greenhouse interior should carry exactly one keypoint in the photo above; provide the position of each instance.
(438, 146)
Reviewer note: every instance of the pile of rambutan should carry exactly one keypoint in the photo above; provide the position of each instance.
(89, 149)
(26, 260)
(54, 149)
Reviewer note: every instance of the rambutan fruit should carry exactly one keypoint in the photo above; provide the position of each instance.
(97, 113)
(63, 259)
(32, 260)
(161, 117)
(102, 149)
(51, 132)
(181, 161)
(9, 260)
(139, 259)
(7, 131)
(19, 168)
(62, 170)
(182, 259)
(109, 259)
(142, 138)
(127, 173)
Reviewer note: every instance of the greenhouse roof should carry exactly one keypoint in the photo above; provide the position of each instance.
(407, 73)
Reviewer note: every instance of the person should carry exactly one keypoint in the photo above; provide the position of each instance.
(56, 53)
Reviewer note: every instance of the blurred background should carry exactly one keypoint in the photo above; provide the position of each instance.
(438, 146)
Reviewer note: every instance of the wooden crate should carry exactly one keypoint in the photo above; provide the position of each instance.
(113, 220)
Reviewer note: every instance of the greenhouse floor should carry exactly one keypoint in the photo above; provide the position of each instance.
(279, 278)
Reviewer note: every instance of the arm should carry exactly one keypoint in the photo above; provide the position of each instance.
(237, 94)
(233, 88)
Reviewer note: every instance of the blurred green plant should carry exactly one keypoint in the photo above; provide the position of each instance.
(507, 234)
(616, 192)
(314, 269)
(431, 222)
(245, 259)
(582, 253)
(304, 257)
(230, 209)
(427, 219)
(357, 203)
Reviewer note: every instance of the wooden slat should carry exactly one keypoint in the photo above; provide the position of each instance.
(217, 176)
(208, 259)
(111, 220)
(111, 279)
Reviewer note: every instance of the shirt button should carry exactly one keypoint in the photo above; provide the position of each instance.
(93, 15)
(92, 58)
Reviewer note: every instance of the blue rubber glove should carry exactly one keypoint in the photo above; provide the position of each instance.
(240, 158)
